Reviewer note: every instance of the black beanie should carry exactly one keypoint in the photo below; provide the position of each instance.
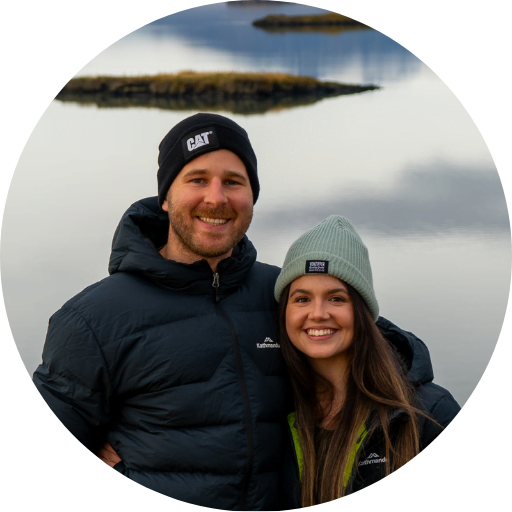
(197, 135)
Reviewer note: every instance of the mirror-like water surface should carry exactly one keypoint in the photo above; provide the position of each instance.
(405, 164)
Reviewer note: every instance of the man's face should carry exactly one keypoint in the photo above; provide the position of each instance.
(210, 206)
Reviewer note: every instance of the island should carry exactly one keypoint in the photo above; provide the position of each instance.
(236, 92)
(252, 3)
(327, 21)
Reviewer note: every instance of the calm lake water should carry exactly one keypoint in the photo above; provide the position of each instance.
(405, 164)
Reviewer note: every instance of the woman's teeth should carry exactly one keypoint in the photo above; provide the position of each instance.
(320, 332)
(213, 222)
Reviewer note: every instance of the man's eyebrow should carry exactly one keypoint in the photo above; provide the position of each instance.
(203, 172)
(195, 172)
(236, 174)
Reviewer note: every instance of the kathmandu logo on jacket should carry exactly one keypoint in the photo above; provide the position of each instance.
(268, 343)
(373, 458)
(195, 141)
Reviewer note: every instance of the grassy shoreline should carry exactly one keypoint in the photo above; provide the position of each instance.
(312, 21)
(229, 85)
(252, 92)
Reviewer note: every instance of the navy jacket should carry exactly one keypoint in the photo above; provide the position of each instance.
(370, 459)
(183, 379)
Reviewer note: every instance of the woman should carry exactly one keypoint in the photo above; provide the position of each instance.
(365, 403)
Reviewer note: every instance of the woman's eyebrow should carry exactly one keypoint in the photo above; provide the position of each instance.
(307, 292)
(299, 290)
(338, 290)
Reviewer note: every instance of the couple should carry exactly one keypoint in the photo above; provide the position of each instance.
(221, 381)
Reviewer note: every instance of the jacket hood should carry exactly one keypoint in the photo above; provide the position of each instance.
(143, 230)
(413, 353)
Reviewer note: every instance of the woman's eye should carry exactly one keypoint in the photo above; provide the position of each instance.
(337, 298)
(301, 299)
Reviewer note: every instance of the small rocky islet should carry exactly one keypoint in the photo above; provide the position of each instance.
(250, 91)
(190, 83)
(327, 21)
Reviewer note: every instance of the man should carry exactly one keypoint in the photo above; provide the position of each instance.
(173, 359)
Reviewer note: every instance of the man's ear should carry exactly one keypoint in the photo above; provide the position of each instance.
(165, 206)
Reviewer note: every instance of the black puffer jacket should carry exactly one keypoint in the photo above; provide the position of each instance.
(370, 459)
(181, 378)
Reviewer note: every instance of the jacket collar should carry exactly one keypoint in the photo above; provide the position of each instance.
(412, 352)
(143, 229)
(414, 358)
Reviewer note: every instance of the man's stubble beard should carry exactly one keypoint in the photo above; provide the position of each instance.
(185, 236)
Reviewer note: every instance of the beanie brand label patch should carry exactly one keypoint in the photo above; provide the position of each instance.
(197, 140)
(317, 267)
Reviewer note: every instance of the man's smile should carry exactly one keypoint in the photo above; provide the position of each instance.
(213, 222)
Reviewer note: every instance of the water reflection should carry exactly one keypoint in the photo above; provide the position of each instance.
(243, 106)
(328, 29)
(236, 106)
(435, 199)
(219, 37)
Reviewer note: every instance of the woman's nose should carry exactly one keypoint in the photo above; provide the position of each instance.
(318, 311)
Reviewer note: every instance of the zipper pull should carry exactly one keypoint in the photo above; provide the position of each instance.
(216, 285)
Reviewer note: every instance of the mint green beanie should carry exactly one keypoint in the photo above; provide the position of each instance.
(332, 247)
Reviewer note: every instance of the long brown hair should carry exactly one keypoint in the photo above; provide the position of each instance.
(376, 386)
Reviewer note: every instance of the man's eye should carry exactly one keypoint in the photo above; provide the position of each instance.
(197, 180)
(232, 182)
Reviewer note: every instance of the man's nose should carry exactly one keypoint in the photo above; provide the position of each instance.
(215, 193)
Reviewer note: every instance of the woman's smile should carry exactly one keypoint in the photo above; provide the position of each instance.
(320, 332)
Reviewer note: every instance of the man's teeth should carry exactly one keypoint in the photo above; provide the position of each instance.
(214, 222)
(320, 332)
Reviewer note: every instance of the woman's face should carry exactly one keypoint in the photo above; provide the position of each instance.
(320, 317)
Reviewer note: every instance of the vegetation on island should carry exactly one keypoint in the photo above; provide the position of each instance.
(330, 21)
(236, 92)
(252, 3)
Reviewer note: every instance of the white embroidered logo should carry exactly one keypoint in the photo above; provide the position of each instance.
(373, 458)
(268, 343)
(317, 267)
(201, 139)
